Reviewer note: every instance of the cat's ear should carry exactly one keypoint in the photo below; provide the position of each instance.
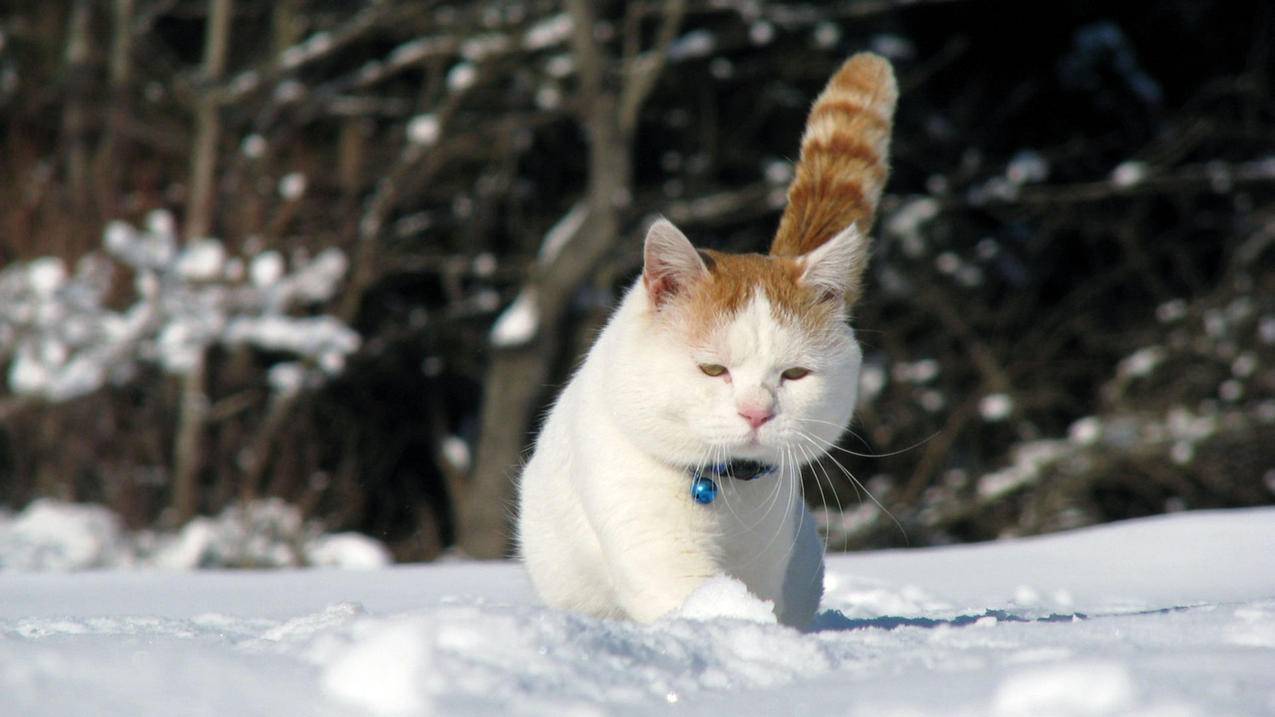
(670, 263)
(835, 268)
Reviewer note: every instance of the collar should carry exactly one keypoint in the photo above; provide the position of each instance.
(703, 486)
(736, 468)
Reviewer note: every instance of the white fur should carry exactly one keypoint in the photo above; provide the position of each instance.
(607, 525)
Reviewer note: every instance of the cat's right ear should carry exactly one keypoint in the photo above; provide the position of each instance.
(670, 263)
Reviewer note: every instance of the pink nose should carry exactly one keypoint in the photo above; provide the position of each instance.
(756, 416)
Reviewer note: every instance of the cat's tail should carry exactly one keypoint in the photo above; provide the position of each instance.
(844, 157)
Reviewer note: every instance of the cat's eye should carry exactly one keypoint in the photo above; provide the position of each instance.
(712, 369)
(795, 373)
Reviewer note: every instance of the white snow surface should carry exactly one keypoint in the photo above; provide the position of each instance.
(1172, 615)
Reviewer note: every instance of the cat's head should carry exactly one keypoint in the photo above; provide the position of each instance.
(746, 356)
(751, 356)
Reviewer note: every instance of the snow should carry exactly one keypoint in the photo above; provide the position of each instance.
(292, 186)
(517, 324)
(548, 32)
(562, 232)
(995, 407)
(548, 97)
(872, 380)
(696, 43)
(52, 535)
(827, 35)
(462, 77)
(60, 339)
(484, 46)
(560, 66)
(726, 598)
(1266, 329)
(761, 32)
(266, 268)
(1029, 460)
(46, 274)
(1085, 431)
(456, 452)
(1093, 688)
(1165, 616)
(423, 129)
(1128, 174)
(894, 47)
(202, 260)
(1026, 167)
(906, 223)
(253, 146)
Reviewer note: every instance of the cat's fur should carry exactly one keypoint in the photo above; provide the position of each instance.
(607, 524)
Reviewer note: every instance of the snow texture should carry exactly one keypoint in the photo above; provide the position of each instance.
(1165, 616)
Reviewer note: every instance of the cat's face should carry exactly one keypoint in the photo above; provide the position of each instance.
(750, 356)
(766, 385)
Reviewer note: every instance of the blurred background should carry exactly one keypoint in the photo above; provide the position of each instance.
(279, 277)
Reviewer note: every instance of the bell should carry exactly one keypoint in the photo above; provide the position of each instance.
(703, 490)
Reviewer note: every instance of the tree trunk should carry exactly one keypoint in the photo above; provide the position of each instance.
(515, 379)
(110, 159)
(75, 114)
(203, 163)
(188, 451)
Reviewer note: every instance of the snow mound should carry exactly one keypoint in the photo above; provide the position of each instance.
(725, 597)
(460, 659)
(1099, 688)
(53, 535)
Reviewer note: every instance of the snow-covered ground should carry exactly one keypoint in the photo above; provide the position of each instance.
(1165, 616)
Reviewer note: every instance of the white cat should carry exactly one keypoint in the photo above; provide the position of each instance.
(716, 364)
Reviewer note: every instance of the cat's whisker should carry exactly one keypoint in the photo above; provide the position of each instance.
(822, 447)
(801, 516)
(849, 430)
(834, 446)
(771, 501)
(823, 500)
(855, 481)
(788, 504)
(801, 520)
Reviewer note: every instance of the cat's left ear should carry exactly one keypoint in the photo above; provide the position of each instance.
(836, 267)
(670, 262)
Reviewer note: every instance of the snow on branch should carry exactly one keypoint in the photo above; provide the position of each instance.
(60, 339)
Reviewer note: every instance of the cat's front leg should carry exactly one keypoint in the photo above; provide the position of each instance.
(658, 544)
(655, 577)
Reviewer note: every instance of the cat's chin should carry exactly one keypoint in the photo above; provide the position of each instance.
(750, 450)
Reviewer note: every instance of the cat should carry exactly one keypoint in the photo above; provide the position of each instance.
(716, 363)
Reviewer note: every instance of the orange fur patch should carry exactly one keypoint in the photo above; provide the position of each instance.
(734, 279)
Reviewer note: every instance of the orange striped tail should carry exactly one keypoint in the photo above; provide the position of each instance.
(844, 157)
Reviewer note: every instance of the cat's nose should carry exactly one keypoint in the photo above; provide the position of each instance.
(756, 416)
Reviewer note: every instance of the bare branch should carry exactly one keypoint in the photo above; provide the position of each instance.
(587, 53)
(644, 69)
